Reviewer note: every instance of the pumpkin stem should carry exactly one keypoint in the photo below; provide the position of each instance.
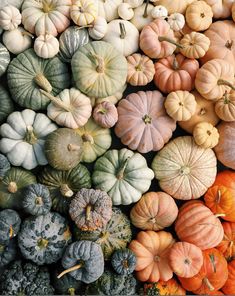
(56, 101)
(102, 110)
(125, 263)
(25, 33)
(175, 64)
(202, 111)
(103, 237)
(76, 267)
(208, 284)
(88, 212)
(230, 248)
(147, 119)
(12, 187)
(219, 215)
(226, 98)
(122, 30)
(30, 136)
(229, 44)
(87, 138)
(73, 147)
(184, 170)
(11, 231)
(2, 248)
(38, 200)
(71, 291)
(101, 65)
(225, 82)
(120, 173)
(42, 243)
(212, 259)
(42, 82)
(172, 41)
(66, 191)
(145, 15)
(218, 197)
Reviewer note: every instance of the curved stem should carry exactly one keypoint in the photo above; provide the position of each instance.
(73, 147)
(25, 33)
(11, 231)
(219, 215)
(218, 196)
(122, 30)
(208, 284)
(120, 173)
(66, 191)
(230, 248)
(88, 212)
(76, 267)
(12, 187)
(42, 82)
(145, 15)
(225, 82)
(30, 136)
(102, 110)
(226, 98)
(56, 101)
(172, 41)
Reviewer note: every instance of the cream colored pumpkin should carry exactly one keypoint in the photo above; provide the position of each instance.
(10, 18)
(108, 9)
(125, 11)
(176, 21)
(206, 135)
(83, 12)
(142, 16)
(98, 29)
(173, 6)
(225, 107)
(134, 3)
(159, 12)
(46, 46)
(220, 8)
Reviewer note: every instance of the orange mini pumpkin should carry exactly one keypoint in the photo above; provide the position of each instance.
(227, 246)
(229, 287)
(171, 287)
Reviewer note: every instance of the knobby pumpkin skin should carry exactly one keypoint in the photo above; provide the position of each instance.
(9, 225)
(227, 245)
(4, 166)
(7, 106)
(229, 287)
(123, 261)
(8, 253)
(170, 287)
(225, 107)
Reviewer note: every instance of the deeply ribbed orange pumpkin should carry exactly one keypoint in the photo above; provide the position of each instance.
(229, 287)
(227, 246)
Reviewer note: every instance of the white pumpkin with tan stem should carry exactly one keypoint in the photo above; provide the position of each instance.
(10, 18)
(108, 9)
(125, 11)
(83, 12)
(98, 28)
(142, 15)
(46, 46)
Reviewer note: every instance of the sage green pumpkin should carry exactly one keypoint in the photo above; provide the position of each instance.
(7, 253)
(28, 73)
(63, 185)
(12, 185)
(123, 174)
(4, 59)
(99, 69)
(4, 165)
(6, 104)
(9, 225)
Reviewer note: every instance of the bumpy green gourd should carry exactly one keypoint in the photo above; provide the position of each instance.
(6, 104)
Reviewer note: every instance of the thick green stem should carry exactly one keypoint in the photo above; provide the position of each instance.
(226, 98)
(102, 110)
(120, 173)
(42, 82)
(76, 267)
(225, 82)
(56, 101)
(122, 30)
(71, 291)
(164, 38)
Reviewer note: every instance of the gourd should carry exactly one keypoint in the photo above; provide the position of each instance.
(149, 127)
(140, 70)
(99, 63)
(43, 239)
(90, 209)
(105, 114)
(4, 166)
(27, 74)
(176, 21)
(83, 12)
(206, 135)
(159, 11)
(172, 7)
(175, 73)
(108, 9)
(154, 211)
(12, 185)
(63, 149)
(4, 59)
(7, 106)
(84, 261)
(123, 261)
(10, 18)
(98, 28)
(125, 11)
(70, 40)
(23, 138)
(181, 176)
(228, 287)
(49, 17)
(152, 251)
(36, 200)
(142, 15)
(170, 287)
(123, 174)
(227, 245)
(63, 185)
(221, 8)
(46, 46)
(71, 108)
(196, 224)
(9, 225)
(96, 140)
(114, 236)
(225, 107)
(7, 253)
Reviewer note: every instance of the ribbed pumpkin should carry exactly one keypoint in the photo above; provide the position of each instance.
(171, 287)
(4, 166)
(7, 106)
(227, 245)
(225, 107)
(123, 261)
(7, 253)
(229, 286)
(105, 114)
(4, 59)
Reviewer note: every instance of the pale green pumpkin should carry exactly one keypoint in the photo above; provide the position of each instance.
(4, 59)
(5, 103)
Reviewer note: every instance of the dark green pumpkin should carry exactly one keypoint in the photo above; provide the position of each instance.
(9, 225)
(4, 165)
(63, 185)
(123, 261)
(6, 104)
(37, 200)
(7, 253)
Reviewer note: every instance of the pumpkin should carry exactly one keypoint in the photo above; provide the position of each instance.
(99, 63)
(159, 11)
(7, 253)
(123, 174)
(140, 70)
(96, 140)
(112, 99)
(225, 107)
(63, 149)
(125, 11)
(229, 287)
(4, 166)
(172, 7)
(16, 3)
(176, 21)
(134, 3)
(108, 9)
(154, 211)
(206, 135)
(205, 111)
(196, 224)
(175, 73)
(10, 18)
(233, 11)
(9, 225)
(181, 175)
(83, 12)
(36, 200)
(149, 127)
(49, 16)
(4, 59)
(7, 106)
(63, 184)
(70, 40)
(211, 277)
(142, 15)
(123, 261)
(152, 252)
(46, 46)
(170, 287)
(23, 138)
(98, 28)
(185, 259)
(43, 239)
(221, 8)
(227, 245)
(27, 74)
(114, 236)
(105, 114)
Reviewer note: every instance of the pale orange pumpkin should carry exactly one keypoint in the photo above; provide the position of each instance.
(205, 135)
(225, 107)
(227, 246)
(229, 286)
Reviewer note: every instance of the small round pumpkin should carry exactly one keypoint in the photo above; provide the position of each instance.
(7, 253)
(7, 106)
(170, 287)
(46, 46)
(83, 12)
(4, 166)
(159, 11)
(225, 107)
(227, 245)
(9, 225)
(4, 59)
(105, 114)
(10, 18)
(98, 28)
(176, 21)
(206, 135)
(123, 261)
(229, 287)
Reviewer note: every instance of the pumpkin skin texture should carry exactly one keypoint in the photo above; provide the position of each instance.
(108, 9)
(105, 114)
(206, 135)
(4, 166)
(7, 253)
(142, 15)
(4, 59)
(221, 8)
(43, 239)
(99, 28)
(196, 224)
(63, 184)
(123, 261)
(7, 106)
(99, 63)
(154, 211)
(149, 127)
(123, 174)
(10, 18)
(211, 277)
(179, 165)
(9, 225)
(152, 251)
(227, 245)
(170, 287)
(28, 73)
(83, 12)
(125, 11)
(15, 3)
(229, 288)
(225, 107)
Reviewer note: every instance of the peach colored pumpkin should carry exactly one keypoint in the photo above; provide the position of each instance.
(227, 246)
(143, 124)
(225, 107)
(105, 114)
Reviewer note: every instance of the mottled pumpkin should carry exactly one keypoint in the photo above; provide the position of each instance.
(9, 225)
(4, 166)
(7, 253)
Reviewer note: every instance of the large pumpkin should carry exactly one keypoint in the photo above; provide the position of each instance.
(227, 245)
(229, 286)
(6, 104)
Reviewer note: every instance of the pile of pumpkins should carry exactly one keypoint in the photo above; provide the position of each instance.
(77, 76)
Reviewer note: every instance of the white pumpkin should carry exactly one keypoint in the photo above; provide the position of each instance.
(159, 12)
(98, 29)
(46, 46)
(10, 18)
(142, 16)
(15, 3)
(221, 8)
(176, 21)
(125, 11)
(108, 9)
(124, 36)
(23, 138)
(134, 3)
(83, 12)
(17, 40)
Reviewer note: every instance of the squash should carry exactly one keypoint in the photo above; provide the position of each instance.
(4, 59)
(7, 106)
(170, 287)
(152, 251)
(183, 169)
(227, 245)
(9, 225)
(180, 105)
(16, 3)
(176, 21)
(96, 140)
(43, 239)
(125, 11)
(134, 3)
(114, 236)
(99, 63)
(229, 287)
(154, 211)
(211, 277)
(225, 107)
(149, 127)
(10, 18)
(46, 46)
(123, 174)
(205, 135)
(7, 253)
(27, 74)
(196, 224)
(185, 259)
(4, 166)
(159, 11)
(105, 114)
(23, 138)
(83, 12)
(175, 73)
(108, 9)
(98, 28)
(140, 70)
(172, 7)
(221, 8)
(36, 200)
(142, 15)
(46, 16)
(63, 185)
(205, 111)
(123, 261)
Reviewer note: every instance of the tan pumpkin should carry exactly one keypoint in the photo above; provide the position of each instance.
(206, 135)
(180, 105)
(140, 70)
(105, 114)
(154, 211)
(83, 12)
(220, 8)
(225, 107)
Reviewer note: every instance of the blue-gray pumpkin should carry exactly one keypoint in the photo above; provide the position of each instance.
(7, 253)
(4, 165)
(123, 261)
(9, 225)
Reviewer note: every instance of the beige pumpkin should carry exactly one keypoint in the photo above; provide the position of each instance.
(159, 12)
(46, 46)
(105, 114)
(125, 11)
(142, 16)
(10, 18)
(206, 135)
(173, 6)
(220, 8)
(83, 12)
(225, 107)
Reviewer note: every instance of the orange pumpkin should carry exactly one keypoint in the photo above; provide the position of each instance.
(229, 287)
(152, 250)
(175, 73)
(227, 246)
(211, 277)
(171, 287)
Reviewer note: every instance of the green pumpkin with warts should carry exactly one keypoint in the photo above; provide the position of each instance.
(7, 253)
(6, 104)
(9, 225)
